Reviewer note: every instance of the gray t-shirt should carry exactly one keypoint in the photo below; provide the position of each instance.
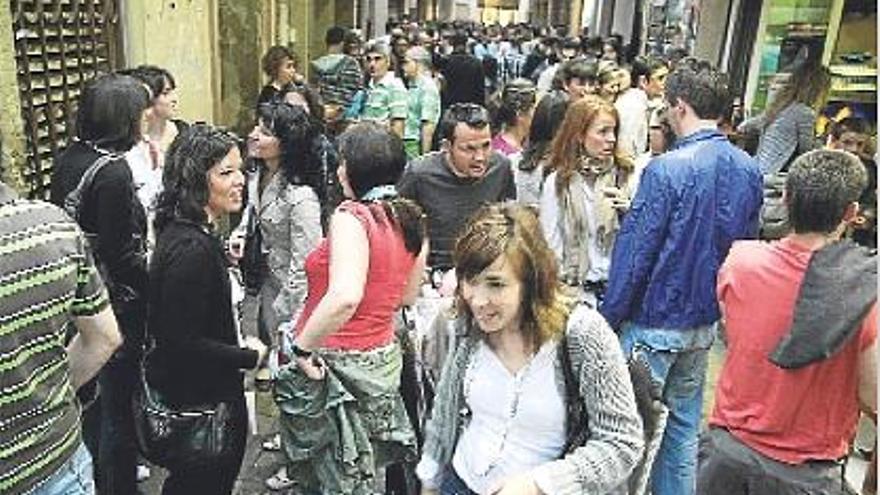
(450, 200)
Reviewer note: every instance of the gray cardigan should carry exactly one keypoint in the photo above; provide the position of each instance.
(615, 445)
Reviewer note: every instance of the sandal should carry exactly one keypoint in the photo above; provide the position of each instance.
(279, 481)
(273, 444)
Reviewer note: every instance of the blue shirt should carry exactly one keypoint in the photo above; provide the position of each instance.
(692, 203)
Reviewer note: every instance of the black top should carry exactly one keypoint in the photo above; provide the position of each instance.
(449, 200)
(465, 80)
(111, 210)
(269, 94)
(197, 359)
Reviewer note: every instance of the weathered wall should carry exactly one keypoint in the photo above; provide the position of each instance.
(179, 35)
(12, 136)
(241, 28)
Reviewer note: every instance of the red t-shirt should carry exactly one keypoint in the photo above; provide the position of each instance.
(788, 415)
(387, 275)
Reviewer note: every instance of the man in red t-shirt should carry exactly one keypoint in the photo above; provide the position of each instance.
(801, 322)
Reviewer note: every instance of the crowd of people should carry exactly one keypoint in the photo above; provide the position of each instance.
(583, 210)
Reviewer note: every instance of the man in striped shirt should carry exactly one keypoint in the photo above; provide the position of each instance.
(47, 281)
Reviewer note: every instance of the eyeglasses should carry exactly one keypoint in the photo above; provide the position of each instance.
(375, 58)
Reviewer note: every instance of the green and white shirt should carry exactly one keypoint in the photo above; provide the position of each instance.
(424, 106)
(386, 100)
(47, 276)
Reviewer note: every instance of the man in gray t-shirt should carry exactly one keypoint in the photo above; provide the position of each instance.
(451, 184)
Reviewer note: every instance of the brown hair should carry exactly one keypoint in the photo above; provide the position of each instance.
(808, 84)
(567, 148)
(513, 231)
(274, 57)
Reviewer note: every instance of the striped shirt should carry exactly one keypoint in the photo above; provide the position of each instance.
(46, 277)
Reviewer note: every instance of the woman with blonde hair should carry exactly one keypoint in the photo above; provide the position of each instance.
(589, 188)
(527, 368)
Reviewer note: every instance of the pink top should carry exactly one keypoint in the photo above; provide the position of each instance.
(788, 415)
(387, 275)
(503, 146)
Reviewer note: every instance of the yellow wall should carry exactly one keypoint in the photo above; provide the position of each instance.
(179, 36)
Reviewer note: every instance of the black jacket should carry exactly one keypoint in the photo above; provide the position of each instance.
(197, 359)
(465, 80)
(111, 210)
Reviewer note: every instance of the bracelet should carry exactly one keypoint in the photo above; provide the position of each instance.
(300, 352)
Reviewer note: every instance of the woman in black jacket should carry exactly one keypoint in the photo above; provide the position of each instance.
(108, 124)
(200, 354)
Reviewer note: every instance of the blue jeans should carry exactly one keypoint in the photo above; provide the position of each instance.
(678, 359)
(74, 477)
(453, 485)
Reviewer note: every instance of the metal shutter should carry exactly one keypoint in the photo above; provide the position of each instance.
(59, 44)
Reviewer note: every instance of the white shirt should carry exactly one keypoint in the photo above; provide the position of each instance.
(545, 80)
(600, 261)
(632, 131)
(146, 175)
(517, 420)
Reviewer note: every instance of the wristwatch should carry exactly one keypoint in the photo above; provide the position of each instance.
(300, 352)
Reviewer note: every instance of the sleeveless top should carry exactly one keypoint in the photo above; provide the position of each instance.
(389, 267)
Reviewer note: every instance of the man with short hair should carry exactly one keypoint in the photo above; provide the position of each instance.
(853, 134)
(49, 281)
(423, 110)
(337, 76)
(464, 75)
(386, 95)
(577, 78)
(568, 50)
(692, 203)
(801, 323)
(647, 77)
(451, 184)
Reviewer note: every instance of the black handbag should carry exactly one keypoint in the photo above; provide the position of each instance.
(253, 262)
(174, 437)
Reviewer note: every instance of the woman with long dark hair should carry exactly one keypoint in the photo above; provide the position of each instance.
(529, 173)
(345, 363)
(285, 189)
(199, 355)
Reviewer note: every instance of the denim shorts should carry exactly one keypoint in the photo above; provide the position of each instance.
(74, 477)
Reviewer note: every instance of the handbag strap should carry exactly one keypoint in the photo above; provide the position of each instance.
(576, 417)
(73, 202)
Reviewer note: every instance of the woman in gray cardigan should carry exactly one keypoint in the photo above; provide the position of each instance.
(535, 396)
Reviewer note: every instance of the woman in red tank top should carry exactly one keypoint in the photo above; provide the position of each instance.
(342, 417)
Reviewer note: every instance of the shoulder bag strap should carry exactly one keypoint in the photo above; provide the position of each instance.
(74, 200)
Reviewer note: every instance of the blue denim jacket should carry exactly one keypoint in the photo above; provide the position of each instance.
(692, 203)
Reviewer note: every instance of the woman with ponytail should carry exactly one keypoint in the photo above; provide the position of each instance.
(342, 361)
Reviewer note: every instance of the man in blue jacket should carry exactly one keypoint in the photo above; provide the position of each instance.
(692, 203)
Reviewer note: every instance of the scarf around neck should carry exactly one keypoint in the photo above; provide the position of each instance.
(573, 218)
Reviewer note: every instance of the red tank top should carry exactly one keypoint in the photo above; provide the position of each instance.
(387, 275)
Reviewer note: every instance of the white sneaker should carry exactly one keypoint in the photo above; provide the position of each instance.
(143, 473)
(279, 481)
